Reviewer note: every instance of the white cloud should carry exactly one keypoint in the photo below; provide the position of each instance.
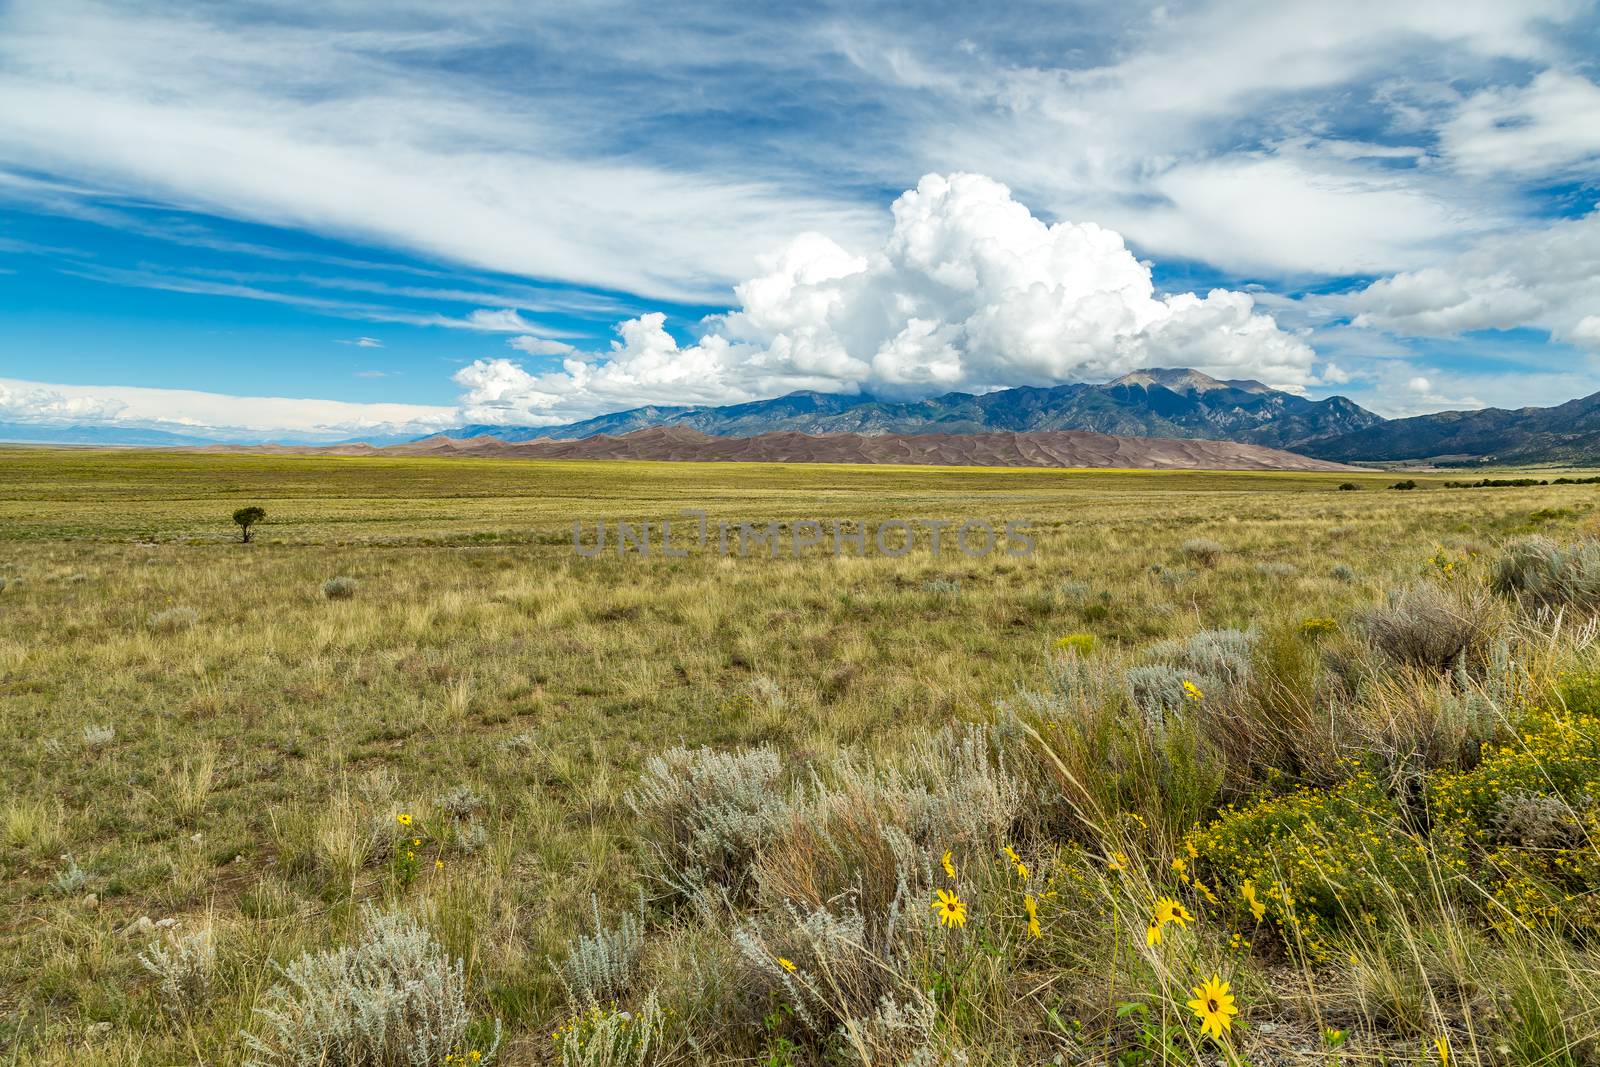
(198, 412)
(35, 403)
(970, 291)
(1546, 126)
(364, 342)
(324, 125)
(1548, 279)
(541, 346)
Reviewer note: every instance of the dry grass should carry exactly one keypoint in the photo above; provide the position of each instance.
(262, 749)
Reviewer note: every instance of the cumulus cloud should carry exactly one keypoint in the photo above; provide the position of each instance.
(29, 403)
(1547, 278)
(970, 291)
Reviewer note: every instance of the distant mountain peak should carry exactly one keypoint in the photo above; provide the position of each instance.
(1187, 380)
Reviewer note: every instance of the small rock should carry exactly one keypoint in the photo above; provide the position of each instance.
(1266, 1028)
(91, 901)
(196, 837)
(98, 1030)
(142, 925)
(166, 924)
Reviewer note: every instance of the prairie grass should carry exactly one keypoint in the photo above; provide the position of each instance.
(779, 753)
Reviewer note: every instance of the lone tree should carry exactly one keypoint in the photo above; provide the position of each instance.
(245, 518)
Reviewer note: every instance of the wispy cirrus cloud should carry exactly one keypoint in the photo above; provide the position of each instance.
(579, 166)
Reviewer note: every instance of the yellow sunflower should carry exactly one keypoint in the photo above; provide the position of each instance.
(1213, 1006)
(951, 908)
(1168, 910)
(949, 864)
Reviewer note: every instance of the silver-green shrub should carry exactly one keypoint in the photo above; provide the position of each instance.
(340, 588)
(96, 736)
(1543, 573)
(184, 966)
(393, 999)
(71, 877)
(600, 967)
(705, 814)
(460, 803)
(1203, 551)
(172, 619)
(617, 1038)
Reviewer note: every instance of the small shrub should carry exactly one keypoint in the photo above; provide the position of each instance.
(461, 803)
(184, 967)
(1318, 626)
(1319, 859)
(1277, 569)
(1542, 573)
(71, 878)
(394, 999)
(172, 620)
(1202, 551)
(600, 968)
(704, 815)
(1076, 644)
(1406, 484)
(1424, 625)
(613, 1038)
(1342, 572)
(1529, 812)
(340, 588)
(96, 737)
(1348, 487)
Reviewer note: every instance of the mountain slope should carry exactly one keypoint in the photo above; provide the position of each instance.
(1158, 402)
(1566, 433)
(1048, 448)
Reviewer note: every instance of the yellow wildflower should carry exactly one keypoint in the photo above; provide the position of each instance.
(951, 908)
(1257, 908)
(403, 819)
(1169, 910)
(1213, 1006)
(1033, 915)
(1192, 692)
(1118, 861)
(948, 864)
(1441, 1045)
(787, 965)
(1011, 854)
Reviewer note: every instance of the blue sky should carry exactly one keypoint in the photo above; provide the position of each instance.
(395, 217)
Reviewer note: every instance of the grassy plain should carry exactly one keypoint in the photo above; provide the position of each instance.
(191, 730)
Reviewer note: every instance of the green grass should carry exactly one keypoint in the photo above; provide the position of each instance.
(255, 748)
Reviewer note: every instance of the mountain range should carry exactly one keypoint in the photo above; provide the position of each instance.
(681, 444)
(1149, 403)
(1157, 403)
(1161, 403)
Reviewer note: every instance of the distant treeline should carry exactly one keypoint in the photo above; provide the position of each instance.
(1492, 483)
